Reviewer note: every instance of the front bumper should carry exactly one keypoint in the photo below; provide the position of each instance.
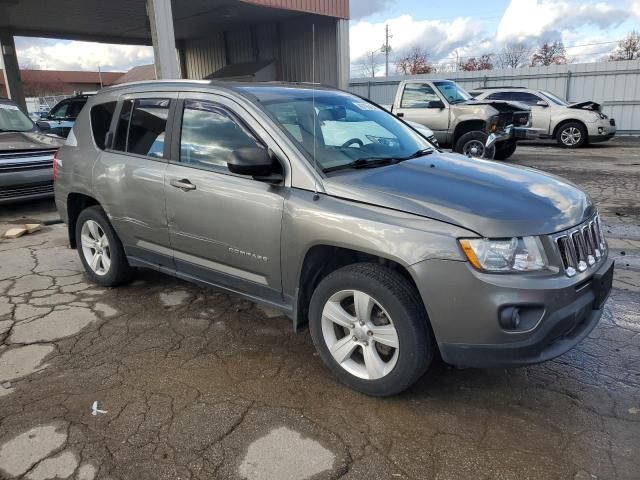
(512, 133)
(464, 308)
(601, 130)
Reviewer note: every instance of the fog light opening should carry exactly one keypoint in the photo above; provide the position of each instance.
(510, 318)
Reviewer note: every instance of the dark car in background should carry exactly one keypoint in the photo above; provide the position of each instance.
(63, 115)
(26, 156)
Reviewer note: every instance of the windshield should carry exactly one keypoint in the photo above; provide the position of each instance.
(553, 98)
(452, 92)
(13, 120)
(341, 130)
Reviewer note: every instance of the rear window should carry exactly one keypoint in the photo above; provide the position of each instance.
(101, 116)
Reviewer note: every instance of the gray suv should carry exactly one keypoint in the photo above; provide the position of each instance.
(321, 204)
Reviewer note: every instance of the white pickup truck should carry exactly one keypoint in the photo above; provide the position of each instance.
(488, 129)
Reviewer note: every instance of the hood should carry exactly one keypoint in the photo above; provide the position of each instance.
(588, 105)
(490, 198)
(20, 141)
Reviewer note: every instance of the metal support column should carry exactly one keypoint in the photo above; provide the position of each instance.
(342, 53)
(164, 39)
(11, 70)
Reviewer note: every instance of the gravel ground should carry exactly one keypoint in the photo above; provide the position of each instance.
(194, 383)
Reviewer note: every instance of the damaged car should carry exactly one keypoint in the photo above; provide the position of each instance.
(483, 129)
(571, 125)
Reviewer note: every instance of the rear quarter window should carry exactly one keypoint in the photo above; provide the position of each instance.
(101, 116)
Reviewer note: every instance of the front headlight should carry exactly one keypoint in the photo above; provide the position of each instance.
(522, 254)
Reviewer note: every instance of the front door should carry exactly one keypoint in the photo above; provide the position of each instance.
(224, 228)
(415, 106)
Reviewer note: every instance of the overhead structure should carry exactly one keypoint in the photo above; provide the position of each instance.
(194, 38)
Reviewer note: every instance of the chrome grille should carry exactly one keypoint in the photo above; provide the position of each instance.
(581, 247)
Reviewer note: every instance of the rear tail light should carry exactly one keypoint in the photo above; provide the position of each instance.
(56, 163)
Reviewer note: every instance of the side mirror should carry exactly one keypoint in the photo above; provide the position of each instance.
(542, 103)
(44, 126)
(435, 104)
(254, 161)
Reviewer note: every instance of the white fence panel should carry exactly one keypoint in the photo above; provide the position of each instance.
(616, 85)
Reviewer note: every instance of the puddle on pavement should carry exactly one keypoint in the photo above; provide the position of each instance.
(284, 454)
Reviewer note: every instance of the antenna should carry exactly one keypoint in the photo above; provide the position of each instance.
(316, 197)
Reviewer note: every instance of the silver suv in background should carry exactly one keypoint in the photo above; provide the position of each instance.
(26, 156)
(327, 207)
(572, 125)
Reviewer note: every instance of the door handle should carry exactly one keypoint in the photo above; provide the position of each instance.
(184, 184)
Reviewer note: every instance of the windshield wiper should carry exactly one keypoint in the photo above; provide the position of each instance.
(378, 162)
(419, 153)
(362, 163)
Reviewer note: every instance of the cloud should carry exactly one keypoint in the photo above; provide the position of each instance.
(363, 8)
(50, 54)
(547, 19)
(437, 37)
(635, 8)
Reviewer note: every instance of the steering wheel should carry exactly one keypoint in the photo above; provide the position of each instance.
(357, 141)
(450, 98)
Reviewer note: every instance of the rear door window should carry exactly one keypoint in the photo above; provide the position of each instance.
(142, 126)
(101, 116)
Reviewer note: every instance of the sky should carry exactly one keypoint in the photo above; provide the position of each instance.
(466, 28)
(446, 30)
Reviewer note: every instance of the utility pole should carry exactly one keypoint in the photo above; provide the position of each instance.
(386, 48)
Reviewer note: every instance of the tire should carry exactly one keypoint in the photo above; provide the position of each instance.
(395, 305)
(112, 268)
(572, 135)
(473, 144)
(504, 150)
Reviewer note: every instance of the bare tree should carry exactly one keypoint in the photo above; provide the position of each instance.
(483, 62)
(628, 48)
(513, 55)
(550, 53)
(414, 63)
(370, 63)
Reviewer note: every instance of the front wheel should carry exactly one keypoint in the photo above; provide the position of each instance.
(371, 329)
(572, 135)
(474, 144)
(505, 149)
(100, 249)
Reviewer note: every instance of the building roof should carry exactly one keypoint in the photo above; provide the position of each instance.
(60, 76)
(138, 74)
(331, 8)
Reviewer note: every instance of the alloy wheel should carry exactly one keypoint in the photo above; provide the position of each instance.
(570, 136)
(95, 247)
(474, 148)
(360, 335)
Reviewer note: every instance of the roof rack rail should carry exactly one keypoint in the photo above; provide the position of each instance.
(500, 87)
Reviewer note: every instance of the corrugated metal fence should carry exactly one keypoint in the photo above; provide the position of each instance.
(616, 85)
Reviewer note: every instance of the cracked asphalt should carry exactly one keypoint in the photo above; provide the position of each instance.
(193, 383)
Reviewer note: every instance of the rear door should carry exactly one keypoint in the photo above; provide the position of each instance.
(224, 228)
(129, 176)
(415, 105)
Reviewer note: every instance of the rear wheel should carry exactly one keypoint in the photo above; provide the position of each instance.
(505, 149)
(370, 328)
(572, 135)
(100, 249)
(473, 144)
